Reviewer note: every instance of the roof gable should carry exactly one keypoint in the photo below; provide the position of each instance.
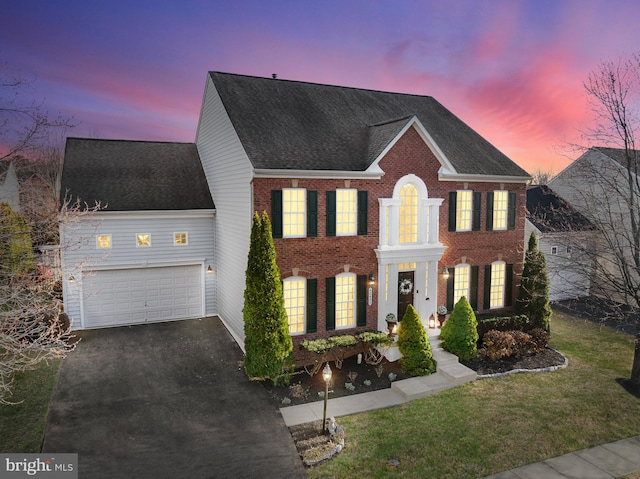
(548, 212)
(135, 175)
(293, 125)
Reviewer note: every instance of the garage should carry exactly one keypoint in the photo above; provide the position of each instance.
(119, 297)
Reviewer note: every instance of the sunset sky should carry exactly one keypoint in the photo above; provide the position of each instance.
(512, 70)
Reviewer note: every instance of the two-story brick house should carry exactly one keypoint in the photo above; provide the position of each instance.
(372, 195)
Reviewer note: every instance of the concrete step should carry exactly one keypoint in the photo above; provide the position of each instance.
(457, 373)
(421, 386)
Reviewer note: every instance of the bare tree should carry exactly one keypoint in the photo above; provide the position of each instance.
(603, 184)
(33, 327)
(541, 177)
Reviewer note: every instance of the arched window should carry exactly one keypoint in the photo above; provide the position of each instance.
(294, 291)
(408, 221)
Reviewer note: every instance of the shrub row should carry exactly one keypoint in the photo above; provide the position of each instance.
(519, 322)
(512, 344)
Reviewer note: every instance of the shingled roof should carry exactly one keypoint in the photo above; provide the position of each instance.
(618, 154)
(135, 175)
(286, 124)
(550, 213)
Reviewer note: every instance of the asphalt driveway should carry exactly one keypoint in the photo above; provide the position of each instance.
(166, 400)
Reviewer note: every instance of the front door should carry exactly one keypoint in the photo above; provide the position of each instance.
(405, 291)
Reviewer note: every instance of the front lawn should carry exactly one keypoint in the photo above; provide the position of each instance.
(494, 425)
(23, 424)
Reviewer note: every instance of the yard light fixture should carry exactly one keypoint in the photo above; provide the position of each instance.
(326, 375)
(432, 322)
(445, 273)
(209, 270)
(72, 279)
(372, 279)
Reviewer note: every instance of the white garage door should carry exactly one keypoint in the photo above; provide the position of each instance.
(131, 296)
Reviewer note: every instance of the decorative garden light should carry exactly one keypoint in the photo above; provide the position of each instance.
(326, 375)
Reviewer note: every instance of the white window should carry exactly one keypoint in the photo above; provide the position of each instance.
(103, 241)
(180, 239)
(497, 284)
(554, 250)
(345, 300)
(294, 291)
(408, 214)
(143, 240)
(461, 282)
(568, 249)
(500, 209)
(346, 212)
(464, 205)
(294, 212)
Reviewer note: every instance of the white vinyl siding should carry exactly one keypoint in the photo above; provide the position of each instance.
(81, 259)
(229, 174)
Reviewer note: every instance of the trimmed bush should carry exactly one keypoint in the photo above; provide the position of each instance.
(459, 334)
(413, 342)
(512, 344)
(504, 323)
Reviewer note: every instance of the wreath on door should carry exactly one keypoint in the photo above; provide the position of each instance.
(406, 286)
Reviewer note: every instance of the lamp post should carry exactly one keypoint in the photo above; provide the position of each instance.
(326, 375)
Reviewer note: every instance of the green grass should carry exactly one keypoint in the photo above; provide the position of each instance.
(23, 424)
(494, 425)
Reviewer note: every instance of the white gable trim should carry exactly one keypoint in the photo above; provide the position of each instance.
(426, 137)
(168, 214)
(369, 174)
(444, 175)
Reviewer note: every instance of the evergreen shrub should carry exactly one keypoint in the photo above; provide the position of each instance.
(413, 342)
(459, 334)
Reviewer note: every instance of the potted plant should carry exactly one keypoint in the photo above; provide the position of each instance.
(442, 314)
(391, 323)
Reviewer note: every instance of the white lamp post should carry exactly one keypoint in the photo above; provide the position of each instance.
(326, 375)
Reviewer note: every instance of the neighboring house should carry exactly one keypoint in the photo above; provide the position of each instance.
(146, 254)
(563, 235)
(372, 197)
(9, 189)
(598, 185)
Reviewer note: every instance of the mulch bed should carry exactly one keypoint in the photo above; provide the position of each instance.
(304, 388)
(544, 359)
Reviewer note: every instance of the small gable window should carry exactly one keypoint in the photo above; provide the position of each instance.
(143, 240)
(103, 241)
(180, 239)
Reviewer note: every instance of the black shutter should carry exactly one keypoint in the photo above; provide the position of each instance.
(508, 285)
(511, 214)
(363, 212)
(453, 198)
(312, 305)
(312, 213)
(331, 213)
(276, 213)
(473, 288)
(330, 309)
(361, 297)
(490, 211)
(452, 274)
(477, 200)
(487, 287)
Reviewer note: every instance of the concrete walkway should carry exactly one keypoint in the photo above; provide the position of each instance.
(609, 461)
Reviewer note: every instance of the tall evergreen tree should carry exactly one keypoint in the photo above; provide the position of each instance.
(533, 295)
(267, 341)
(16, 254)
